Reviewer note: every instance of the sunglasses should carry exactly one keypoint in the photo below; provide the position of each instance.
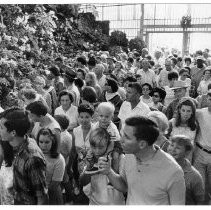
(156, 96)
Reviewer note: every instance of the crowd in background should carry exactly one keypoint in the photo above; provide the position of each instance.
(68, 139)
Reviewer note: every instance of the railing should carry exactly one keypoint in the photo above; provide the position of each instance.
(176, 21)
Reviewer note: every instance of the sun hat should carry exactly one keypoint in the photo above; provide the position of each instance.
(178, 85)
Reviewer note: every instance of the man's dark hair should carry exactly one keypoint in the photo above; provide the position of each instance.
(183, 70)
(174, 60)
(173, 75)
(130, 79)
(199, 52)
(55, 71)
(92, 61)
(113, 77)
(86, 108)
(59, 59)
(37, 108)
(145, 129)
(64, 93)
(161, 91)
(81, 60)
(152, 63)
(179, 59)
(113, 84)
(188, 59)
(136, 54)
(16, 120)
(79, 82)
(130, 60)
(63, 121)
(136, 86)
(149, 57)
(89, 94)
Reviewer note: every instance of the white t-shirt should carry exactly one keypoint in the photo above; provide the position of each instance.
(159, 181)
(126, 111)
(203, 117)
(71, 113)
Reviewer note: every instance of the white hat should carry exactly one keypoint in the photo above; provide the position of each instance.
(179, 84)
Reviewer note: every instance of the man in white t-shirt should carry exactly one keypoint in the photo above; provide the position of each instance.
(132, 106)
(202, 153)
(149, 175)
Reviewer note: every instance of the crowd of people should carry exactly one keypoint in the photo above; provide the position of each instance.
(128, 129)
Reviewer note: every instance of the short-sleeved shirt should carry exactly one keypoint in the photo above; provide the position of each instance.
(147, 76)
(126, 111)
(29, 173)
(55, 169)
(159, 181)
(71, 114)
(195, 189)
(203, 116)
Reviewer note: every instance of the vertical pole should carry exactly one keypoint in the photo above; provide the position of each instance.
(147, 40)
(142, 22)
(184, 42)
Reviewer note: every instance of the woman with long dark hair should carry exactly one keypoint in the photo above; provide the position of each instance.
(185, 120)
(55, 162)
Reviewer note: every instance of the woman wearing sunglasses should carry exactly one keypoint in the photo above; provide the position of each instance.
(158, 98)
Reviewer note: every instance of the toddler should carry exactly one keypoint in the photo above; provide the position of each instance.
(96, 185)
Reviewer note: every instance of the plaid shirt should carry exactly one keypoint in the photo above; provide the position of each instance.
(29, 170)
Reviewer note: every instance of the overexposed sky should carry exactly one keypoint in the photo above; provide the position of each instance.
(127, 19)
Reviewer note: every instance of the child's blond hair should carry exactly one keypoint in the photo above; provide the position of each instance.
(106, 105)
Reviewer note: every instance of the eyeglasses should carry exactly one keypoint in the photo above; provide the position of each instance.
(156, 96)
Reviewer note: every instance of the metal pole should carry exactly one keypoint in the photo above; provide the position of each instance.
(142, 22)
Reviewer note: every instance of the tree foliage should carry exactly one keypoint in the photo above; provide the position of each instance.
(118, 38)
(137, 43)
(32, 36)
